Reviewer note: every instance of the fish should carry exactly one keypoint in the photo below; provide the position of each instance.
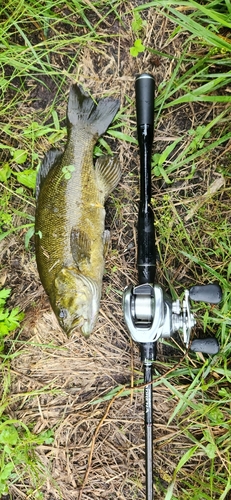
(70, 236)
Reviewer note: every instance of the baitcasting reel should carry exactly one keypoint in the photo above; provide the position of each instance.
(150, 314)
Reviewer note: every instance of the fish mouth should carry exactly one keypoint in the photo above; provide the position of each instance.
(68, 326)
(77, 322)
(81, 324)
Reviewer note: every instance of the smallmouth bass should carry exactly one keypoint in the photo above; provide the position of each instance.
(70, 236)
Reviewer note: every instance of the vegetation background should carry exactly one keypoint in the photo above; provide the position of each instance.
(71, 424)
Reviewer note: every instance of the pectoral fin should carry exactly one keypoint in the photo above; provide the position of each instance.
(108, 174)
(80, 247)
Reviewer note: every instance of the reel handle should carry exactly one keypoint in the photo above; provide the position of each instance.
(207, 346)
(211, 294)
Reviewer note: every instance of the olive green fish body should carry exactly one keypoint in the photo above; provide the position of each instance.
(70, 215)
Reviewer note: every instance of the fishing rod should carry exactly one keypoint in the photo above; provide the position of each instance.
(149, 312)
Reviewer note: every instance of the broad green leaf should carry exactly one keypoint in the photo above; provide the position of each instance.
(216, 415)
(3, 329)
(4, 294)
(134, 52)
(6, 471)
(9, 435)
(211, 450)
(28, 236)
(138, 45)
(20, 156)
(137, 48)
(5, 172)
(27, 178)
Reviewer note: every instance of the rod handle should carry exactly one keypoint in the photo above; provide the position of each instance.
(145, 88)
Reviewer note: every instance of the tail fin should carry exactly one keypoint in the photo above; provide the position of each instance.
(84, 112)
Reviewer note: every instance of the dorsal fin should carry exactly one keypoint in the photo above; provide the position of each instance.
(50, 159)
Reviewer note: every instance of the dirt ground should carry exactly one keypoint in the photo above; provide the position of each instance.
(98, 450)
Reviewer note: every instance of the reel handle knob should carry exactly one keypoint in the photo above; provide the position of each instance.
(207, 346)
(145, 87)
(212, 294)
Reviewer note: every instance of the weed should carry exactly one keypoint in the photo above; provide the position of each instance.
(138, 25)
(18, 458)
(137, 48)
(9, 319)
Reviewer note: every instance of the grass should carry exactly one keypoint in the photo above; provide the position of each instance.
(9, 320)
(19, 461)
(56, 391)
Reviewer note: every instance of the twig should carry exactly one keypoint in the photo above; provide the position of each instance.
(213, 188)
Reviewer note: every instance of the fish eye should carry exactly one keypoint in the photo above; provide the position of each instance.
(63, 313)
